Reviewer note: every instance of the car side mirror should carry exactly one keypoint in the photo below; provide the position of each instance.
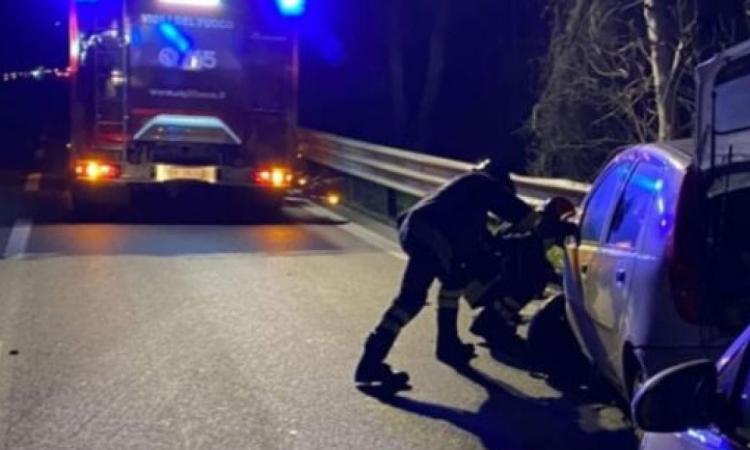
(682, 397)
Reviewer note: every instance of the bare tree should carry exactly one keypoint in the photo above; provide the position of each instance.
(660, 31)
(720, 24)
(599, 91)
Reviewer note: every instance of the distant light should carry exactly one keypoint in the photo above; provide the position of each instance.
(199, 3)
(333, 199)
(275, 177)
(291, 7)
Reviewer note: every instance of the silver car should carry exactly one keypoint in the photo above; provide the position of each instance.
(662, 272)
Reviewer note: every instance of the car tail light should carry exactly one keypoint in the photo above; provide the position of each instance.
(275, 177)
(95, 170)
(686, 253)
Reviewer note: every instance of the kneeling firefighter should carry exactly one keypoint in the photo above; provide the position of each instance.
(441, 234)
(517, 270)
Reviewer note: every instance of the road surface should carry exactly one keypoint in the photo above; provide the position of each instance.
(179, 328)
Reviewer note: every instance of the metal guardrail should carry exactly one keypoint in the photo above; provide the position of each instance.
(413, 173)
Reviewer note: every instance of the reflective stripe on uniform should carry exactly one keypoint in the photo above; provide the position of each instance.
(399, 314)
(391, 326)
(448, 299)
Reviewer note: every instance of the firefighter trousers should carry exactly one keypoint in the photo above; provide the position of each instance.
(422, 269)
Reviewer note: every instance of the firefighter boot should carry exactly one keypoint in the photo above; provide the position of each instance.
(371, 368)
(450, 349)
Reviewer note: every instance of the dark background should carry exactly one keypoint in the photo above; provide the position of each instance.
(492, 51)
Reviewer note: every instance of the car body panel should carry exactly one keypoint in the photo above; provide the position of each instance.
(618, 292)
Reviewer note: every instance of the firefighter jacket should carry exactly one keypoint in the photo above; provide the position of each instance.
(453, 220)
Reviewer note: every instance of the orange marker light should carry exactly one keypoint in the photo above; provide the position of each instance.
(333, 199)
(93, 170)
(275, 177)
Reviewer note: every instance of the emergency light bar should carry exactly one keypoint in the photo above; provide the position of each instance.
(201, 3)
(291, 7)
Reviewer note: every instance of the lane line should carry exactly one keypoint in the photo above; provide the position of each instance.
(362, 233)
(19, 234)
(33, 182)
(19, 237)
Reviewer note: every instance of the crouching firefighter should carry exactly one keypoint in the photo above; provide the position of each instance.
(440, 234)
(517, 271)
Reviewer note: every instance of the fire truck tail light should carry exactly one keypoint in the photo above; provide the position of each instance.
(94, 170)
(275, 177)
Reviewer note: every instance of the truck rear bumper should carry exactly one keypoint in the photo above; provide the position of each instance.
(167, 173)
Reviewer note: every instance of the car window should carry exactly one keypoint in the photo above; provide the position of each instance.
(634, 205)
(601, 200)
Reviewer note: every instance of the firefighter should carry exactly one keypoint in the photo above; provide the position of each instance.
(518, 270)
(441, 234)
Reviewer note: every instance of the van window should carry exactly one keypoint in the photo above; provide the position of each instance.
(601, 200)
(733, 97)
(633, 207)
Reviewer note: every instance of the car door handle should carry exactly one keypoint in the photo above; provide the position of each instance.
(621, 276)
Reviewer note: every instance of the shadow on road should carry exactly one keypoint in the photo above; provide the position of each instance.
(585, 415)
(510, 420)
(195, 208)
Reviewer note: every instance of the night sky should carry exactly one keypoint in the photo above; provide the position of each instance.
(488, 86)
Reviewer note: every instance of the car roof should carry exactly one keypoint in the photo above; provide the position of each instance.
(679, 152)
(682, 150)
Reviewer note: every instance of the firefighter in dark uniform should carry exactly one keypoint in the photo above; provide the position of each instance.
(441, 234)
(517, 271)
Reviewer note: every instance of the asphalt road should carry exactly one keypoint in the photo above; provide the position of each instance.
(182, 328)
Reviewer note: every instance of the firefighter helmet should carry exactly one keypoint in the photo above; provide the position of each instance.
(558, 208)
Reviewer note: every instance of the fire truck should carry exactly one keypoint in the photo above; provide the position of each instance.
(172, 94)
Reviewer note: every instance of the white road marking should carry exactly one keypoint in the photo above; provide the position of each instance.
(362, 233)
(19, 237)
(33, 181)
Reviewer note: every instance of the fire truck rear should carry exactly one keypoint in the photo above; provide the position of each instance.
(179, 93)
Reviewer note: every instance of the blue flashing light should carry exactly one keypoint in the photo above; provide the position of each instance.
(175, 37)
(291, 7)
(647, 183)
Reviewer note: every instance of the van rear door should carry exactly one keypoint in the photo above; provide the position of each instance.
(723, 125)
(723, 158)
